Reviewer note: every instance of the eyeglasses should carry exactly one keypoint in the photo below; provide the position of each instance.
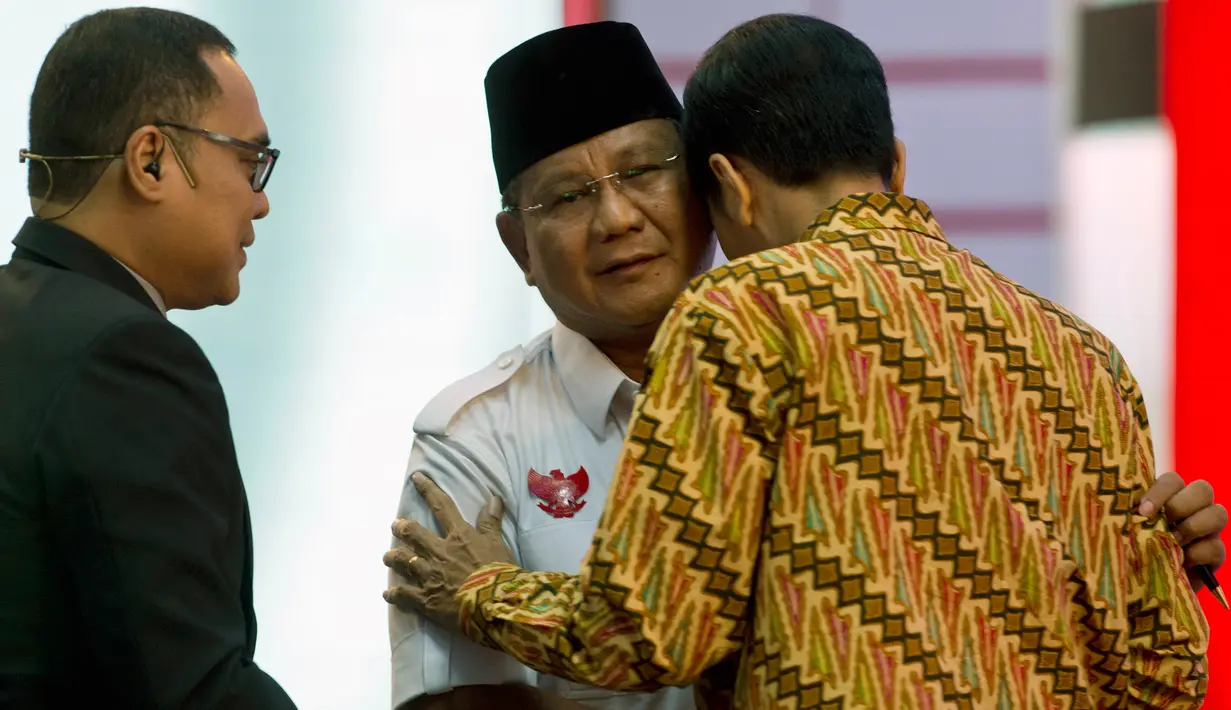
(650, 176)
(264, 158)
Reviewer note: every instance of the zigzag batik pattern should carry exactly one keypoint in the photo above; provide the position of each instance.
(881, 476)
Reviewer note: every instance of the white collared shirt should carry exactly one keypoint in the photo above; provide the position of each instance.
(556, 405)
(153, 293)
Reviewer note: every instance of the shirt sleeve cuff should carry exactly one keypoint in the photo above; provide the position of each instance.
(479, 587)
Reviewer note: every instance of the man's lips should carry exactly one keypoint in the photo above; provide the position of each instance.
(629, 263)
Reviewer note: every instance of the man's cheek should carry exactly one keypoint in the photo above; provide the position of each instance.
(564, 262)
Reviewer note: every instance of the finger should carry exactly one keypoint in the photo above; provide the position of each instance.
(407, 597)
(1206, 552)
(1165, 486)
(1207, 522)
(1195, 496)
(406, 563)
(441, 504)
(491, 519)
(421, 540)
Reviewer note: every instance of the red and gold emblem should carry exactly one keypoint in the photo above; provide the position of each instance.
(561, 495)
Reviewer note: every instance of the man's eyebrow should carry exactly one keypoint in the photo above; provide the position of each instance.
(262, 140)
(642, 150)
(565, 176)
(557, 178)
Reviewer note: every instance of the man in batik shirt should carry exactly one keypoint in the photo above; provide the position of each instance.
(864, 467)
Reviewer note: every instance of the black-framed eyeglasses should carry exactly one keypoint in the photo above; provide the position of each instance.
(648, 176)
(264, 158)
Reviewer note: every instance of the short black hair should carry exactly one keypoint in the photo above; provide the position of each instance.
(798, 97)
(109, 74)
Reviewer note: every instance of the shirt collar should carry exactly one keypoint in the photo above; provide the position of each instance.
(590, 379)
(858, 214)
(711, 258)
(595, 386)
(148, 287)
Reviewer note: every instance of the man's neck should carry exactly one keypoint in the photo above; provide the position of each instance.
(83, 220)
(627, 354)
(105, 229)
(794, 209)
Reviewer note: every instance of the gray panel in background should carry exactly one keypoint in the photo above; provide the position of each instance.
(1119, 61)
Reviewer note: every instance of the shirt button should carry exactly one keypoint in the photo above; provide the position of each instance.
(504, 364)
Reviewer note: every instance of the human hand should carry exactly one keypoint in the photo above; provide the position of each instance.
(1196, 521)
(435, 567)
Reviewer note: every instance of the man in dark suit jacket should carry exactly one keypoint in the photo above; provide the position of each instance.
(125, 542)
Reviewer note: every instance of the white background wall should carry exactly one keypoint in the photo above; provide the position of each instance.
(1116, 236)
(1119, 198)
(377, 279)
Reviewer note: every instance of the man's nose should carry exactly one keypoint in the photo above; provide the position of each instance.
(260, 205)
(615, 213)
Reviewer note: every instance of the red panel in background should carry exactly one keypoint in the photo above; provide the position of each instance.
(579, 12)
(1197, 84)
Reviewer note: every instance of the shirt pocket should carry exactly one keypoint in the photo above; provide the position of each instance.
(556, 546)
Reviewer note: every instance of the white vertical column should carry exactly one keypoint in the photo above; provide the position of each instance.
(1119, 254)
(414, 291)
(1062, 69)
(1116, 230)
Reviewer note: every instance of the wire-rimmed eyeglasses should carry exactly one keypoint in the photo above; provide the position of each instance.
(647, 177)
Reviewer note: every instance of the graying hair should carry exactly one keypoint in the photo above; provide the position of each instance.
(508, 198)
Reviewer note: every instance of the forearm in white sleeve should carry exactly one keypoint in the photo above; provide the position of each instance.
(428, 659)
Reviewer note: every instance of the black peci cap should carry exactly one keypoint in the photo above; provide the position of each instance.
(566, 86)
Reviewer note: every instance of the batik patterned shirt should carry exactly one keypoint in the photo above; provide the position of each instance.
(867, 471)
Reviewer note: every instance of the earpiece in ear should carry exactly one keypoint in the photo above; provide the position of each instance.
(154, 169)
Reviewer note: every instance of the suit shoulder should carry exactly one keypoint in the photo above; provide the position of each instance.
(441, 411)
(64, 321)
(54, 321)
(65, 308)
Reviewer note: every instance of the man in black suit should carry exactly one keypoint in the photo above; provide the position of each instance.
(125, 543)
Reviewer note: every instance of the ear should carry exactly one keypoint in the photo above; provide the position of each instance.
(897, 183)
(733, 188)
(145, 147)
(512, 230)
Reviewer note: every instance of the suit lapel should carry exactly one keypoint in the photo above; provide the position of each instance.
(50, 244)
(245, 591)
